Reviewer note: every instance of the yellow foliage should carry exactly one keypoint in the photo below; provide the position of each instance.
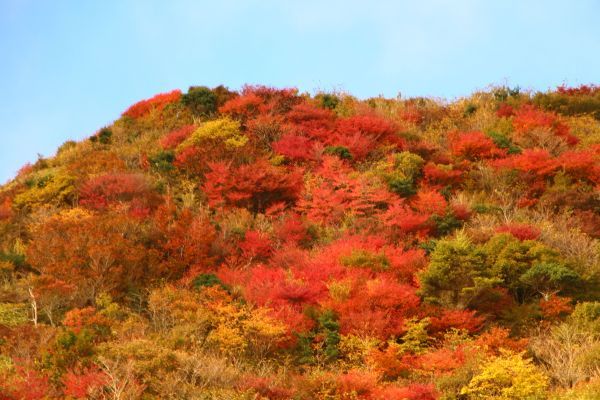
(508, 377)
(223, 130)
(354, 350)
(48, 188)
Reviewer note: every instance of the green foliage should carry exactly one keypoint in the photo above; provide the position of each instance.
(340, 151)
(451, 279)
(330, 328)
(548, 277)
(416, 338)
(327, 100)
(470, 109)
(13, 314)
(200, 100)
(446, 224)
(586, 316)
(207, 280)
(509, 259)
(569, 105)
(104, 136)
(163, 161)
(401, 172)
(360, 258)
(504, 142)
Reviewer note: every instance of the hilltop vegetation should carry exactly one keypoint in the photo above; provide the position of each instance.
(269, 244)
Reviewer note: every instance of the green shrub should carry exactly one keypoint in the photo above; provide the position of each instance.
(200, 100)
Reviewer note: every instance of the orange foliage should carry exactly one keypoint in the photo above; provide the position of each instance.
(157, 103)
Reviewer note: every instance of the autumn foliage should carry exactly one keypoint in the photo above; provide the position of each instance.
(271, 244)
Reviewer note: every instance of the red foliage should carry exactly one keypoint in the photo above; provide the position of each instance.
(429, 202)
(505, 110)
(376, 308)
(157, 102)
(390, 365)
(436, 175)
(402, 218)
(242, 107)
(293, 230)
(520, 231)
(533, 162)
(317, 123)
(458, 319)
(266, 388)
(185, 240)
(256, 245)
(294, 147)
(498, 338)
(191, 159)
(361, 134)
(334, 193)
(356, 384)
(255, 186)
(412, 115)
(461, 212)
(442, 361)
(79, 318)
(79, 384)
(6, 209)
(26, 384)
(581, 164)
(528, 118)
(555, 307)
(256, 100)
(101, 191)
(474, 146)
(582, 90)
(415, 391)
(174, 138)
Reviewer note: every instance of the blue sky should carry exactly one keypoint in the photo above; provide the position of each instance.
(68, 68)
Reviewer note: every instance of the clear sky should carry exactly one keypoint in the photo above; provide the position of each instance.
(68, 68)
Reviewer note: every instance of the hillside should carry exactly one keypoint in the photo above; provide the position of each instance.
(270, 244)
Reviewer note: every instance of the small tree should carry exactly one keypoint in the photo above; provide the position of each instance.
(507, 377)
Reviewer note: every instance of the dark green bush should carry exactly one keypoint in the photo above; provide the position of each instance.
(200, 100)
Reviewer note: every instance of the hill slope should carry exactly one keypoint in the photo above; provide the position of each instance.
(272, 244)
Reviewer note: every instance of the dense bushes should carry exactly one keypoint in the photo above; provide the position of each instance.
(276, 245)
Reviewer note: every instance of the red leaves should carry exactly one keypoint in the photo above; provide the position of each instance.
(520, 231)
(333, 193)
(582, 90)
(176, 137)
(26, 384)
(528, 118)
(497, 338)
(531, 161)
(256, 245)
(157, 102)
(257, 100)
(361, 134)
(376, 308)
(242, 107)
(474, 146)
(101, 191)
(505, 110)
(294, 147)
(458, 319)
(6, 208)
(255, 186)
(80, 384)
(555, 307)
